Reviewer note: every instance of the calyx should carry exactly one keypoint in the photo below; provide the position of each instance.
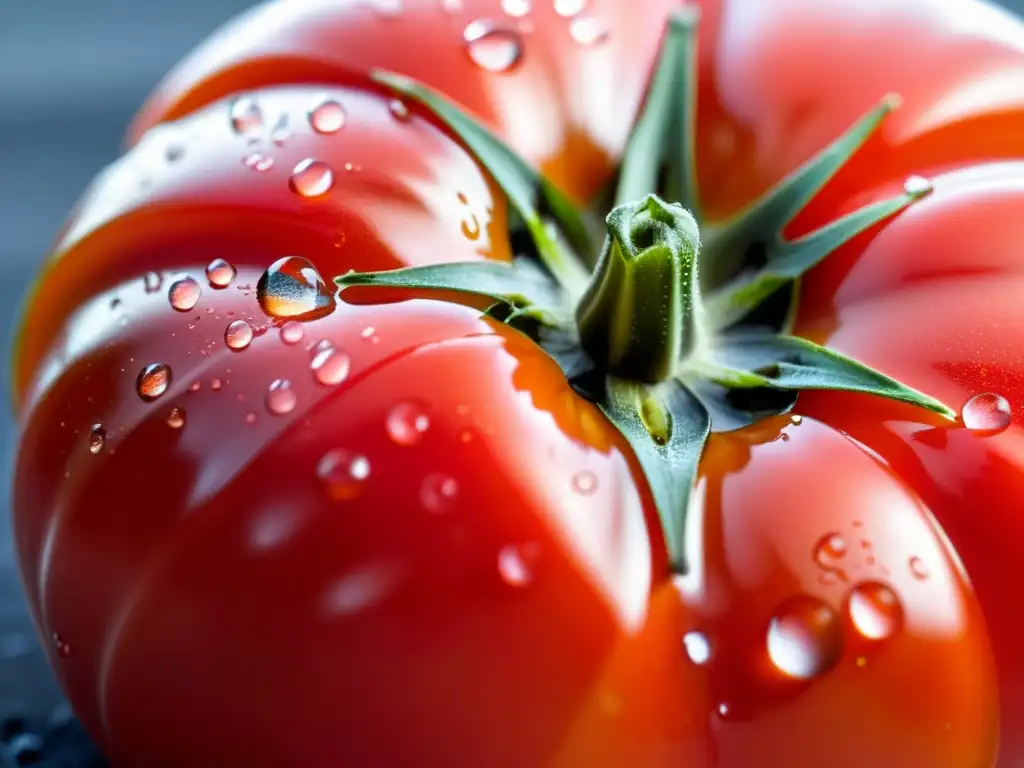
(671, 337)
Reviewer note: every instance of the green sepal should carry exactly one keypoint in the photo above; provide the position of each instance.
(667, 428)
(732, 409)
(513, 284)
(532, 196)
(752, 359)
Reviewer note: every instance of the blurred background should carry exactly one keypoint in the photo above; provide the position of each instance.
(72, 74)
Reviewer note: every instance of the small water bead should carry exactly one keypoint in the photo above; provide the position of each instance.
(282, 132)
(220, 273)
(63, 649)
(987, 413)
(918, 569)
(327, 117)
(569, 8)
(153, 381)
(194, 386)
(311, 178)
(246, 115)
(184, 293)
(281, 398)
(258, 161)
(292, 288)
(588, 30)
(516, 8)
(176, 417)
(250, 417)
(516, 564)
(917, 186)
(398, 110)
(216, 385)
(438, 493)
(407, 423)
(238, 335)
(344, 474)
(828, 554)
(804, 638)
(874, 610)
(493, 47)
(97, 438)
(151, 282)
(292, 333)
(451, 6)
(698, 648)
(389, 9)
(174, 152)
(584, 481)
(330, 367)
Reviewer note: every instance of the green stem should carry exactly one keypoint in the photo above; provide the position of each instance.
(638, 318)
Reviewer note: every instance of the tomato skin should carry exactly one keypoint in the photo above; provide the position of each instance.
(222, 581)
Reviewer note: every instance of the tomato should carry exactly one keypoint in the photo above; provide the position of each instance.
(417, 544)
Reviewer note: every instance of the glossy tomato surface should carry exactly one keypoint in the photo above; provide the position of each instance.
(415, 544)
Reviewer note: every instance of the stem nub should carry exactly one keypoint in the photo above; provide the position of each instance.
(638, 318)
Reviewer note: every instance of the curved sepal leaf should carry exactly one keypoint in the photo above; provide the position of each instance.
(732, 409)
(533, 198)
(667, 428)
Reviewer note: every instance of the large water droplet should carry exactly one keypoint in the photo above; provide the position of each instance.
(291, 287)
(246, 115)
(516, 564)
(220, 273)
(330, 366)
(344, 474)
(804, 638)
(291, 332)
(311, 178)
(327, 117)
(874, 610)
(516, 8)
(97, 438)
(153, 381)
(238, 335)
(184, 293)
(987, 413)
(493, 47)
(281, 398)
(698, 648)
(407, 423)
(588, 30)
(438, 493)
(176, 417)
(569, 8)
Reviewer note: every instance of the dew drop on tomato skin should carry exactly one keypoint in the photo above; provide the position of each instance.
(438, 493)
(327, 117)
(805, 638)
(516, 564)
(330, 366)
(281, 132)
(919, 569)
(281, 397)
(584, 482)
(588, 31)
(829, 553)
(516, 8)
(493, 47)
(97, 438)
(569, 8)
(176, 417)
(153, 381)
(220, 273)
(151, 282)
(407, 423)
(245, 115)
(258, 161)
(184, 293)
(918, 186)
(292, 288)
(343, 474)
(697, 647)
(311, 178)
(399, 110)
(988, 413)
(874, 611)
(238, 335)
(292, 333)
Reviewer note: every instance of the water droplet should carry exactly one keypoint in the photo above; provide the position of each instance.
(828, 553)
(281, 132)
(176, 417)
(584, 481)
(63, 649)
(343, 473)
(398, 110)
(438, 493)
(311, 178)
(516, 8)
(723, 710)
(804, 638)
(389, 9)
(281, 398)
(493, 47)
(330, 367)
(194, 386)
(987, 413)
(153, 381)
(291, 287)
(246, 115)
(238, 335)
(152, 281)
(588, 30)
(327, 117)
(407, 423)
(250, 417)
(220, 273)
(216, 385)
(919, 569)
(516, 564)
(291, 332)
(174, 152)
(97, 438)
(184, 293)
(918, 186)
(874, 610)
(258, 161)
(451, 6)
(698, 648)
(569, 8)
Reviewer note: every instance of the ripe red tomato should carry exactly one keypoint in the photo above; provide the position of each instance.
(418, 545)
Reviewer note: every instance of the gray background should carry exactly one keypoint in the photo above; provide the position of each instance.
(72, 73)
